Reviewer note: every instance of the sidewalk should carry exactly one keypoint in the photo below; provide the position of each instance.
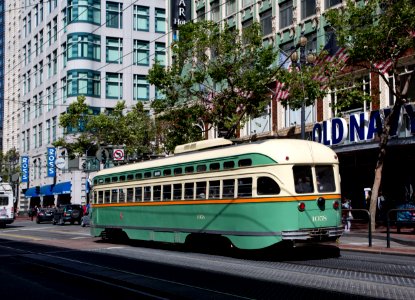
(358, 240)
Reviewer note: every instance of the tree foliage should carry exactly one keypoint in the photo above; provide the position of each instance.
(218, 76)
(376, 31)
(132, 129)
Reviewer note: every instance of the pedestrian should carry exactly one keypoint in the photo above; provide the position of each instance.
(380, 206)
(34, 212)
(347, 214)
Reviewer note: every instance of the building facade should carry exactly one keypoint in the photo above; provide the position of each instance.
(283, 23)
(99, 49)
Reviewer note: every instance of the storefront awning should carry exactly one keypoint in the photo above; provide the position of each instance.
(46, 190)
(31, 192)
(62, 188)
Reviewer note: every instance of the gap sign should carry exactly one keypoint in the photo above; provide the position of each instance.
(51, 158)
(25, 168)
(362, 127)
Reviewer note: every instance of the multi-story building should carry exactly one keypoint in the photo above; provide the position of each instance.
(99, 49)
(11, 116)
(283, 23)
(2, 60)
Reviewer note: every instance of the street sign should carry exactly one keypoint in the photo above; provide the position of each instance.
(118, 154)
(60, 163)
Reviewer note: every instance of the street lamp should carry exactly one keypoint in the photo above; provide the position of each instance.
(305, 60)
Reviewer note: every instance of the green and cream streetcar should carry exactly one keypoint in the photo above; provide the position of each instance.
(253, 195)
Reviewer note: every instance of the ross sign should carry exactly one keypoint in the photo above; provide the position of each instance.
(181, 11)
(25, 168)
(118, 154)
(362, 127)
(51, 158)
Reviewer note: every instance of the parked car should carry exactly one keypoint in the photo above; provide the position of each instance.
(68, 213)
(405, 218)
(44, 215)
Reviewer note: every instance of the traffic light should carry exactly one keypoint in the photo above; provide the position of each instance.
(37, 188)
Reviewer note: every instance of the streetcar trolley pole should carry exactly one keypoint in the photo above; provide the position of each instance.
(369, 222)
(388, 221)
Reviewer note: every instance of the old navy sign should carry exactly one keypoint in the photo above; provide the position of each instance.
(25, 168)
(361, 127)
(51, 158)
(180, 12)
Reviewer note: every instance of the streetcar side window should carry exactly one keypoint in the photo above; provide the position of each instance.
(166, 192)
(121, 195)
(138, 194)
(122, 178)
(167, 172)
(229, 165)
(138, 176)
(325, 179)
(245, 162)
(267, 186)
(214, 189)
(178, 171)
(130, 195)
(245, 187)
(130, 177)
(114, 179)
(107, 180)
(100, 197)
(228, 190)
(189, 190)
(214, 166)
(201, 168)
(177, 191)
(157, 193)
(303, 179)
(107, 196)
(114, 196)
(189, 169)
(201, 190)
(147, 193)
(147, 174)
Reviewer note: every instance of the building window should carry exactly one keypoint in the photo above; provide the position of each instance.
(84, 82)
(113, 85)
(266, 22)
(114, 50)
(48, 131)
(54, 95)
(141, 88)
(114, 15)
(308, 8)
(330, 3)
(84, 46)
(404, 73)
(54, 128)
(215, 11)
(55, 62)
(286, 14)
(247, 2)
(84, 11)
(40, 103)
(141, 18)
(362, 83)
(230, 7)
(55, 29)
(40, 135)
(160, 53)
(160, 20)
(64, 90)
(141, 53)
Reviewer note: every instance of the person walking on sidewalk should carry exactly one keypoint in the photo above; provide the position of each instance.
(347, 214)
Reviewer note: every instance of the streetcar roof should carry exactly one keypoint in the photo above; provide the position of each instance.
(282, 151)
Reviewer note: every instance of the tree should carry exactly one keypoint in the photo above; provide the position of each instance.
(374, 32)
(132, 129)
(218, 77)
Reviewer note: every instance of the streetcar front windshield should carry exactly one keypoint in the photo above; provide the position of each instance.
(4, 201)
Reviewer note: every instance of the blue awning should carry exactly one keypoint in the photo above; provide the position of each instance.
(46, 190)
(62, 188)
(31, 192)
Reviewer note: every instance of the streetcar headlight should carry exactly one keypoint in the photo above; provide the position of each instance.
(336, 205)
(301, 206)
